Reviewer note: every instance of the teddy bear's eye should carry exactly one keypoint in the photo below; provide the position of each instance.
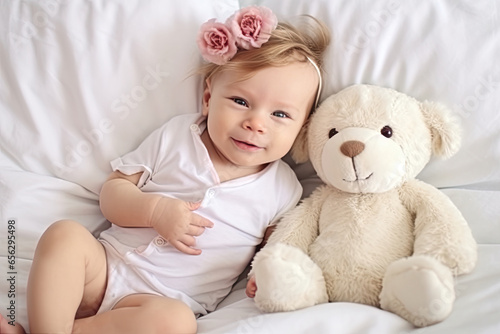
(332, 133)
(386, 131)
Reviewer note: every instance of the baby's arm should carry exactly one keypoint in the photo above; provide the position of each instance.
(125, 205)
(251, 285)
(267, 234)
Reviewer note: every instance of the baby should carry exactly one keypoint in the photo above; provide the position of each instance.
(190, 205)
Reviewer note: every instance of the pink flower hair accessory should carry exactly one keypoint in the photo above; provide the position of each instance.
(216, 42)
(248, 28)
(252, 26)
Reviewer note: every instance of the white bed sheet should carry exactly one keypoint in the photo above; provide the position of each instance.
(85, 81)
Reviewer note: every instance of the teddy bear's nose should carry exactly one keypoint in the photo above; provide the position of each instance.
(352, 148)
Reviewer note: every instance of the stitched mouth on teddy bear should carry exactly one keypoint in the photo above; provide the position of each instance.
(358, 178)
(356, 173)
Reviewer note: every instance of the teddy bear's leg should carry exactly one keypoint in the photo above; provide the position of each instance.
(419, 289)
(287, 279)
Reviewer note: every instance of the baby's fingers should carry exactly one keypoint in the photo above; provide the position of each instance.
(251, 288)
(188, 240)
(193, 205)
(198, 220)
(195, 231)
(185, 248)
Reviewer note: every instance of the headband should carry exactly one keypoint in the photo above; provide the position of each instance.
(320, 86)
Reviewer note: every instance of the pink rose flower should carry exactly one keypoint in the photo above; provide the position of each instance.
(252, 26)
(216, 43)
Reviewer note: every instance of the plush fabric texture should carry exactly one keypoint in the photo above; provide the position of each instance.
(380, 237)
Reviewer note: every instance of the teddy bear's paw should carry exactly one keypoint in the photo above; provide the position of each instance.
(419, 289)
(287, 279)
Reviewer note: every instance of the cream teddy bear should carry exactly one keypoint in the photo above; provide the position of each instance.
(373, 234)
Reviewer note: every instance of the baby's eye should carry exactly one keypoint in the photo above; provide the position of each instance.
(239, 101)
(281, 114)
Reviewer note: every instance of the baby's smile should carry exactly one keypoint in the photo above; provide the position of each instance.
(246, 146)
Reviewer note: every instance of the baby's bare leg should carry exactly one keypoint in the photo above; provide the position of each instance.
(141, 313)
(6, 328)
(68, 276)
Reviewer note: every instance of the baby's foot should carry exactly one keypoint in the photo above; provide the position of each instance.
(5, 328)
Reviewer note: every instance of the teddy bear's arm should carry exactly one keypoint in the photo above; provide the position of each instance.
(299, 227)
(440, 229)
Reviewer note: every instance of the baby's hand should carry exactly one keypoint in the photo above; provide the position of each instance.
(175, 220)
(251, 287)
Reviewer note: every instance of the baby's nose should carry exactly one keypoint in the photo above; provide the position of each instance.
(255, 123)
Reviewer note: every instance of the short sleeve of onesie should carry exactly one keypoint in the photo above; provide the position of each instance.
(146, 156)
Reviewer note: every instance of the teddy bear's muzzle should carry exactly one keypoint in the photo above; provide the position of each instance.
(362, 160)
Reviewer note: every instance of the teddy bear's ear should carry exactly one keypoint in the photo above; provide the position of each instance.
(299, 150)
(445, 128)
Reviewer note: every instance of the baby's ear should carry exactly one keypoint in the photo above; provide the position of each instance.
(299, 150)
(206, 98)
(445, 128)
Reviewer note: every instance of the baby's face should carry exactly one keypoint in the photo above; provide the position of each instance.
(255, 121)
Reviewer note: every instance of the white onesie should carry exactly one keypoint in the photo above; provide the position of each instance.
(175, 163)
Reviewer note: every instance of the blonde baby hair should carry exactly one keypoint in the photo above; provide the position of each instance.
(305, 41)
